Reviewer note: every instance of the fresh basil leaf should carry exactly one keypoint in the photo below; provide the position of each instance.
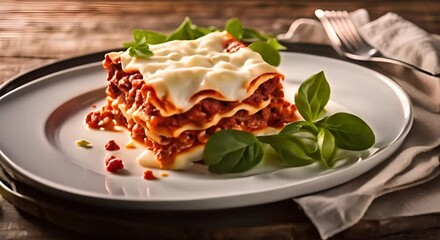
(267, 52)
(189, 31)
(290, 149)
(292, 128)
(202, 31)
(312, 96)
(235, 28)
(252, 35)
(275, 44)
(350, 132)
(140, 51)
(183, 32)
(149, 37)
(248, 161)
(231, 151)
(295, 127)
(326, 144)
(240, 160)
(139, 47)
(229, 161)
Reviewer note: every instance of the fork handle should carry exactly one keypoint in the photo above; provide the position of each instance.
(379, 57)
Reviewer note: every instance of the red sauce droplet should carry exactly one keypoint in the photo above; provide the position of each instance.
(112, 146)
(114, 164)
(149, 175)
(94, 106)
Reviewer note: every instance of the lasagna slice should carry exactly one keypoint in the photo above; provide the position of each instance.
(188, 90)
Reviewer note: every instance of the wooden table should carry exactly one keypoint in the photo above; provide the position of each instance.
(35, 33)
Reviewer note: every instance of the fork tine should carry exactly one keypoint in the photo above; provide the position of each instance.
(334, 39)
(344, 20)
(339, 29)
(353, 31)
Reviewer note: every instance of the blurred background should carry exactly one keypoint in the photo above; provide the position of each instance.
(34, 32)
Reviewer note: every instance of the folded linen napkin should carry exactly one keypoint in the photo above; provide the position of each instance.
(403, 179)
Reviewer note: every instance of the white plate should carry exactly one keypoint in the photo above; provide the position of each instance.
(40, 122)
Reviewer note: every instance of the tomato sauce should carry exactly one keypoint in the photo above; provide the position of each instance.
(149, 175)
(114, 164)
(111, 146)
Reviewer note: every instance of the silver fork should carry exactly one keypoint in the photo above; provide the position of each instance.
(347, 41)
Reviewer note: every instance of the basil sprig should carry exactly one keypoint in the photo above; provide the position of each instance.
(186, 31)
(189, 31)
(316, 138)
(265, 45)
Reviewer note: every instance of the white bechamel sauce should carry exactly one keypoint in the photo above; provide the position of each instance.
(180, 69)
(182, 161)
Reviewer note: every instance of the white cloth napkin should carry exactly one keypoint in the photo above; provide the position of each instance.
(403, 179)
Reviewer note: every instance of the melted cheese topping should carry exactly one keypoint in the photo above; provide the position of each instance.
(178, 70)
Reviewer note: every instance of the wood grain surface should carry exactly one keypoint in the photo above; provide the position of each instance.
(33, 33)
(36, 32)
